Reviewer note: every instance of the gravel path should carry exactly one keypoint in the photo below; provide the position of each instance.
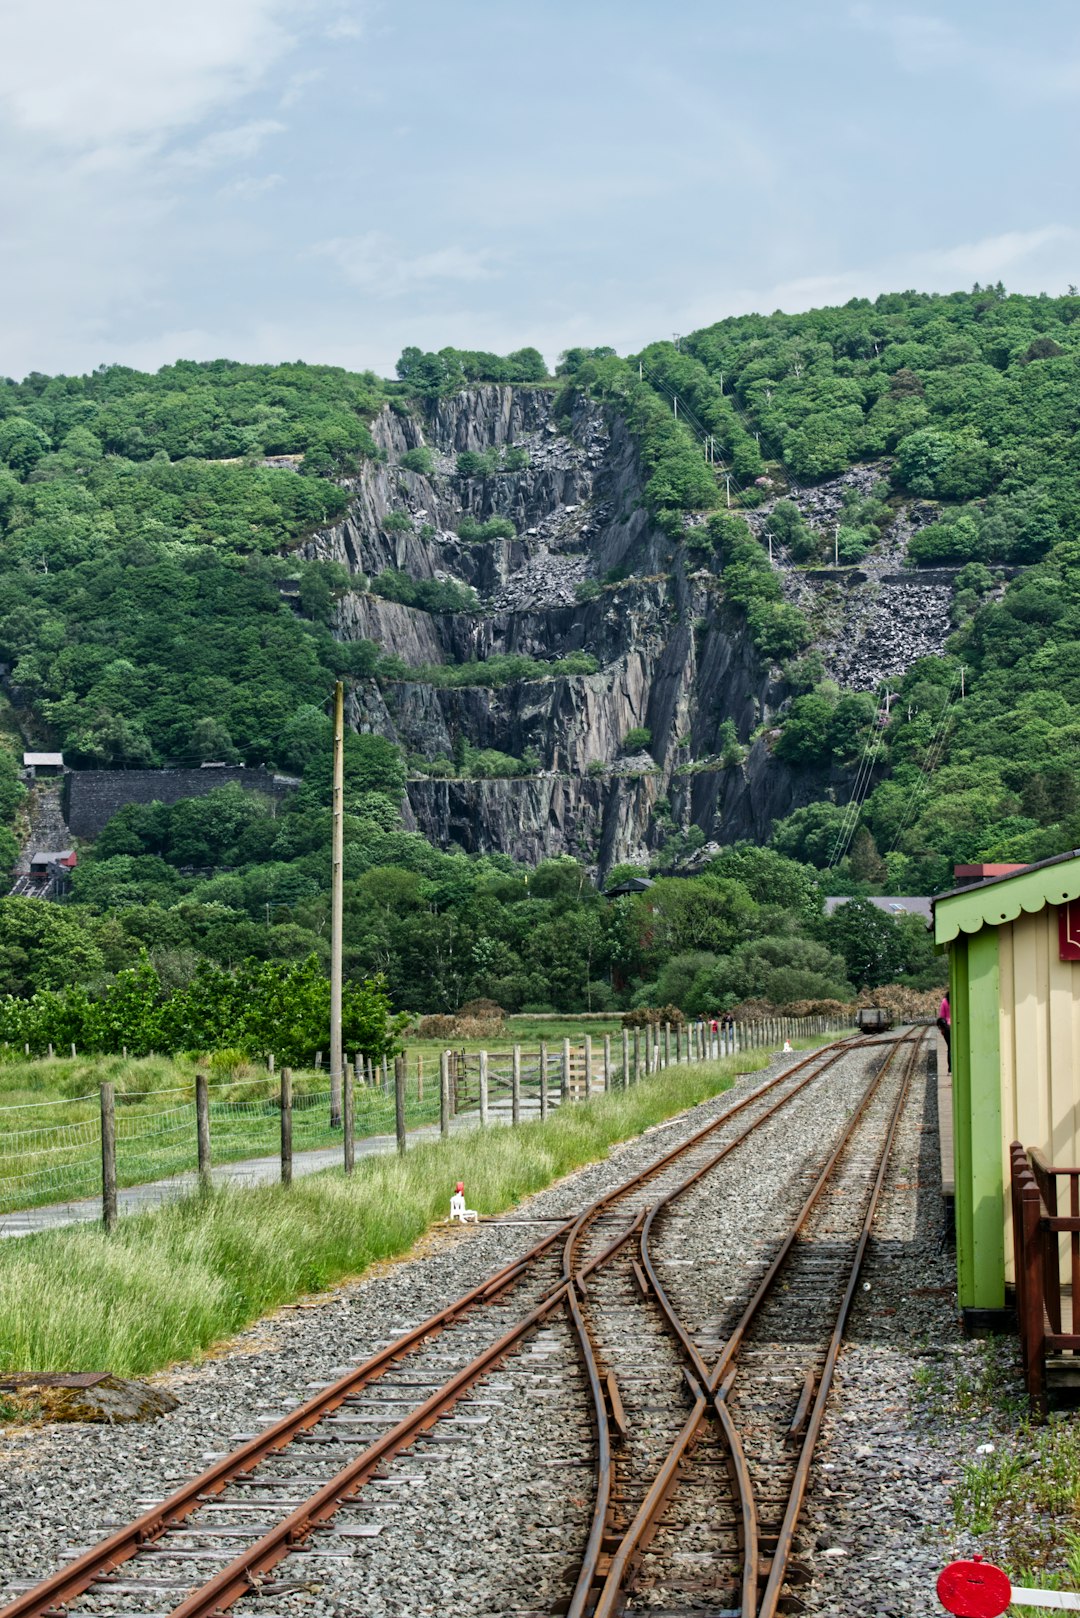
(878, 1522)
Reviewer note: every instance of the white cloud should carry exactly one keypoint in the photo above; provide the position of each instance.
(922, 42)
(84, 75)
(1043, 259)
(375, 262)
(229, 145)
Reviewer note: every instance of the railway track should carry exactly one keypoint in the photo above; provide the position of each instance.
(712, 1531)
(302, 1489)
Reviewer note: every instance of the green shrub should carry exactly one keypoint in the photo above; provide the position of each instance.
(637, 739)
(419, 460)
(396, 522)
(473, 532)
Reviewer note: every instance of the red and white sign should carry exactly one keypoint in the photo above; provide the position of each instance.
(978, 1589)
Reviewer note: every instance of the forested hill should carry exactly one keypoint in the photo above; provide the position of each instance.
(496, 561)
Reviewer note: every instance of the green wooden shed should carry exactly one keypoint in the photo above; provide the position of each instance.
(1014, 994)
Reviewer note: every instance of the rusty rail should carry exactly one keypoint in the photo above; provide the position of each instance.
(215, 1596)
(710, 1386)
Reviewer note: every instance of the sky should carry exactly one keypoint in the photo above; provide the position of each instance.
(330, 180)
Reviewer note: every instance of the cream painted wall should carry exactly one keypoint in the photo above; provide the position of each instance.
(1040, 1046)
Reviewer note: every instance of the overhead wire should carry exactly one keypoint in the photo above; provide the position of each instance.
(853, 809)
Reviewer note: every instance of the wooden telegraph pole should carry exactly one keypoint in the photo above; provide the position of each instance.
(337, 862)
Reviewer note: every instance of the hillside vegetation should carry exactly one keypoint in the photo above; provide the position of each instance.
(154, 609)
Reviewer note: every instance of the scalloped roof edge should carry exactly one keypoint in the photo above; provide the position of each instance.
(1000, 899)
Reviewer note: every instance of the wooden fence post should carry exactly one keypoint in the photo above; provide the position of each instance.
(444, 1094)
(543, 1079)
(565, 1077)
(588, 1066)
(202, 1127)
(667, 1044)
(515, 1087)
(399, 1102)
(73, 1053)
(270, 1064)
(108, 1156)
(624, 1076)
(637, 1055)
(348, 1116)
(286, 1126)
(483, 1087)
(607, 1061)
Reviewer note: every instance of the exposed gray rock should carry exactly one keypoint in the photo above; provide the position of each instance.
(672, 656)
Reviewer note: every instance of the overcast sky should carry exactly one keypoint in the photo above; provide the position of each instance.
(332, 179)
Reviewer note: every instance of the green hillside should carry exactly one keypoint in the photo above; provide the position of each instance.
(145, 544)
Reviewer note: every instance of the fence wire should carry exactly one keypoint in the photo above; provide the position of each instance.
(59, 1162)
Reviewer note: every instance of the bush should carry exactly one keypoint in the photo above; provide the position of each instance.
(650, 1016)
(586, 590)
(473, 532)
(419, 460)
(396, 522)
(637, 739)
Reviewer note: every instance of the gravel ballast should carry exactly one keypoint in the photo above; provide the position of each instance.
(477, 1522)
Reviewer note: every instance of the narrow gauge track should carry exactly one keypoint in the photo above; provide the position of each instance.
(277, 1494)
(708, 1527)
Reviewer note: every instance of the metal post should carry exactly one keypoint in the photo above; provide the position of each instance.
(444, 1094)
(108, 1156)
(286, 1126)
(337, 866)
(543, 1080)
(399, 1102)
(515, 1087)
(348, 1117)
(483, 1087)
(607, 1061)
(202, 1127)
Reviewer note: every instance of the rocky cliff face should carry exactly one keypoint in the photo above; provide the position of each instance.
(672, 658)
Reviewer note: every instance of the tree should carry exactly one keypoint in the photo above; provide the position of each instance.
(870, 942)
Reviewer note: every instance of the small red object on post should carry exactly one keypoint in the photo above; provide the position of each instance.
(974, 1589)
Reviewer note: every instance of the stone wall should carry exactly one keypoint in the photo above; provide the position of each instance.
(92, 797)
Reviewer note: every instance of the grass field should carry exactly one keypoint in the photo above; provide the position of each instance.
(167, 1285)
(50, 1110)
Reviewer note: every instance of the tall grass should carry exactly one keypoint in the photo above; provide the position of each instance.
(168, 1284)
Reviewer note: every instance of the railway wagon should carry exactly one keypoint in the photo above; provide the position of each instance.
(873, 1020)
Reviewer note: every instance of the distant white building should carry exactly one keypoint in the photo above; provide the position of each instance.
(35, 764)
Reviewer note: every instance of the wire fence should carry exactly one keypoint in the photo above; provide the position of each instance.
(45, 1159)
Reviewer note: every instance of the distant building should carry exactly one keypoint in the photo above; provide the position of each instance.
(35, 764)
(892, 906)
(50, 870)
(632, 884)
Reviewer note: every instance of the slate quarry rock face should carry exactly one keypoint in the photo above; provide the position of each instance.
(673, 657)
(90, 1397)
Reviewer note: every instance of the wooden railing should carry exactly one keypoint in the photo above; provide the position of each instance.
(1037, 1230)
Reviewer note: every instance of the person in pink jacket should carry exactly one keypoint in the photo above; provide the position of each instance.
(944, 1022)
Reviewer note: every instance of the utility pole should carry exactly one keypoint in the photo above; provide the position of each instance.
(639, 371)
(675, 403)
(727, 486)
(961, 682)
(337, 861)
(836, 546)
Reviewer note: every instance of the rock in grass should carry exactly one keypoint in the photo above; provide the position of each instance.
(91, 1397)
